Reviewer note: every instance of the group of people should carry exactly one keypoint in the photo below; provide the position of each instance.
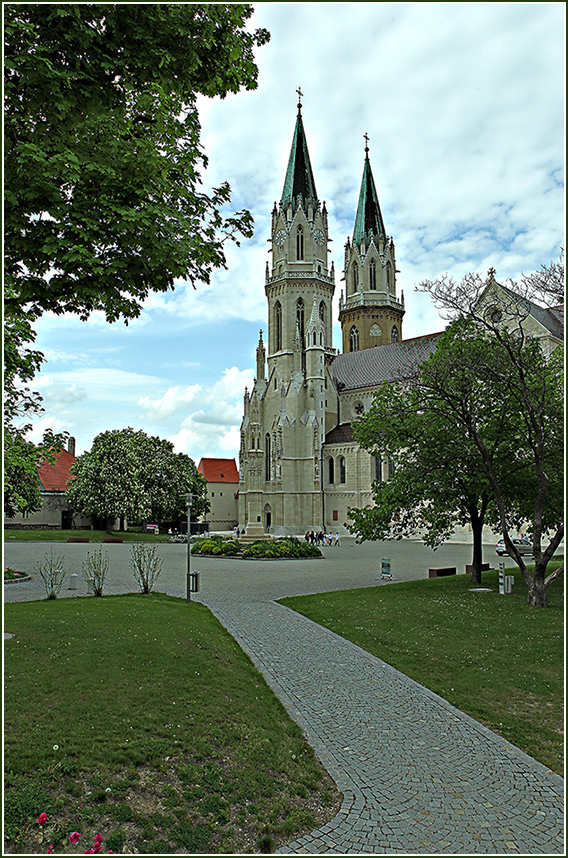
(321, 538)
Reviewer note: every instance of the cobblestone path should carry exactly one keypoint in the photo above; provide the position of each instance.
(418, 775)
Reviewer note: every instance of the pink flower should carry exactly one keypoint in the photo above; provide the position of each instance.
(42, 818)
(98, 838)
(74, 836)
(50, 849)
(88, 851)
(97, 848)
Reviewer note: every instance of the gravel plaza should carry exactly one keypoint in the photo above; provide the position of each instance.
(418, 776)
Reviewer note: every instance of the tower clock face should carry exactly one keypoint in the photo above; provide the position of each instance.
(319, 237)
(280, 238)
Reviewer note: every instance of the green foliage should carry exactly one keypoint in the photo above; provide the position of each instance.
(216, 546)
(128, 473)
(102, 198)
(23, 802)
(289, 547)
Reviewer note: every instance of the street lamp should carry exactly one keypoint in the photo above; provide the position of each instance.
(189, 501)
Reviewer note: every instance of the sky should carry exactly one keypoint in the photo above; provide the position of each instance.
(463, 104)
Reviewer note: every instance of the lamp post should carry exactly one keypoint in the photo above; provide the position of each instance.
(189, 501)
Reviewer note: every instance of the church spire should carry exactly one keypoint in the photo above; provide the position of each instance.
(369, 220)
(299, 181)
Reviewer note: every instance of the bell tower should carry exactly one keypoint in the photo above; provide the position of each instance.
(370, 313)
(299, 273)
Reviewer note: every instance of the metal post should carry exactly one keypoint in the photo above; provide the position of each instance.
(189, 499)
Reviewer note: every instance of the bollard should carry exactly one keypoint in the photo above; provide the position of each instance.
(501, 578)
(509, 581)
(73, 581)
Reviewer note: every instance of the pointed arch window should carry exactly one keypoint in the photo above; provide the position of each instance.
(353, 339)
(331, 471)
(378, 469)
(389, 278)
(300, 319)
(278, 326)
(342, 469)
(372, 275)
(355, 277)
(299, 244)
(267, 457)
(322, 314)
(394, 334)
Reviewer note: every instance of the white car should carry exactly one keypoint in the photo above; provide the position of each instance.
(523, 546)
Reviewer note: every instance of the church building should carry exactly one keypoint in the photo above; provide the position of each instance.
(300, 468)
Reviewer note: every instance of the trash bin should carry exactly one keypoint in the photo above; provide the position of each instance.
(73, 581)
(194, 582)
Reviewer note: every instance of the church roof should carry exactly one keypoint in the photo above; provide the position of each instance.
(369, 220)
(340, 434)
(54, 477)
(389, 362)
(219, 470)
(299, 179)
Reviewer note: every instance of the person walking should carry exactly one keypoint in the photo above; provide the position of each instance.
(337, 538)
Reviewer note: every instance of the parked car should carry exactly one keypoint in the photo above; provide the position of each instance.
(523, 546)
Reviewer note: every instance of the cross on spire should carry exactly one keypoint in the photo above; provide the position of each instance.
(300, 94)
(366, 138)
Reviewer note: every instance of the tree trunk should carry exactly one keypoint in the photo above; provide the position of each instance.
(537, 595)
(110, 520)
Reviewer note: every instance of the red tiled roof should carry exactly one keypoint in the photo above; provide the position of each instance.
(54, 478)
(341, 433)
(219, 470)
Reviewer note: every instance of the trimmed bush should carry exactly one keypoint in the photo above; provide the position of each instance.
(289, 547)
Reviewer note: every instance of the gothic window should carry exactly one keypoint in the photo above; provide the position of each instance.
(278, 325)
(391, 468)
(389, 277)
(267, 457)
(314, 338)
(300, 318)
(342, 469)
(372, 275)
(394, 334)
(355, 277)
(322, 316)
(331, 471)
(375, 330)
(353, 339)
(378, 469)
(299, 244)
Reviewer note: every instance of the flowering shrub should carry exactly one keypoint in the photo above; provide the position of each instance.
(52, 572)
(216, 546)
(95, 569)
(146, 565)
(73, 838)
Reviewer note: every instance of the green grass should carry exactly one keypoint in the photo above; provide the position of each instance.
(490, 655)
(140, 717)
(56, 535)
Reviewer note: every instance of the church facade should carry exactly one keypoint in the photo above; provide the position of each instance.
(300, 468)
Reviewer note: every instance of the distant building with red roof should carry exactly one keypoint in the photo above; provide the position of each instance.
(54, 477)
(222, 478)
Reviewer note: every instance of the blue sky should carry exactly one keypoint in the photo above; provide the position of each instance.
(464, 107)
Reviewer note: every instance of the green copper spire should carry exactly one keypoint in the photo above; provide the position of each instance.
(299, 179)
(369, 221)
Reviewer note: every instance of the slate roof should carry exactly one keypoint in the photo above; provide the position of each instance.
(551, 318)
(219, 470)
(340, 434)
(369, 220)
(389, 362)
(54, 478)
(299, 179)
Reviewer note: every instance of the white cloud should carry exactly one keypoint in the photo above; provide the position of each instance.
(174, 399)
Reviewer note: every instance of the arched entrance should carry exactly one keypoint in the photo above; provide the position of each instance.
(267, 518)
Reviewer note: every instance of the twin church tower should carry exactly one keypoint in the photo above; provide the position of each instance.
(296, 473)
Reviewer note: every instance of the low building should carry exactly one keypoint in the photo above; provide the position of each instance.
(223, 492)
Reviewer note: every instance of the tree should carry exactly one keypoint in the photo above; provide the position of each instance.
(437, 481)
(128, 474)
(102, 151)
(500, 355)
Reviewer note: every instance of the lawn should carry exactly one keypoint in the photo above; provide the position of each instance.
(488, 654)
(139, 717)
(50, 534)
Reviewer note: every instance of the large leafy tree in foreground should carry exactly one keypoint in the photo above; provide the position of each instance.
(497, 353)
(103, 202)
(436, 482)
(128, 474)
